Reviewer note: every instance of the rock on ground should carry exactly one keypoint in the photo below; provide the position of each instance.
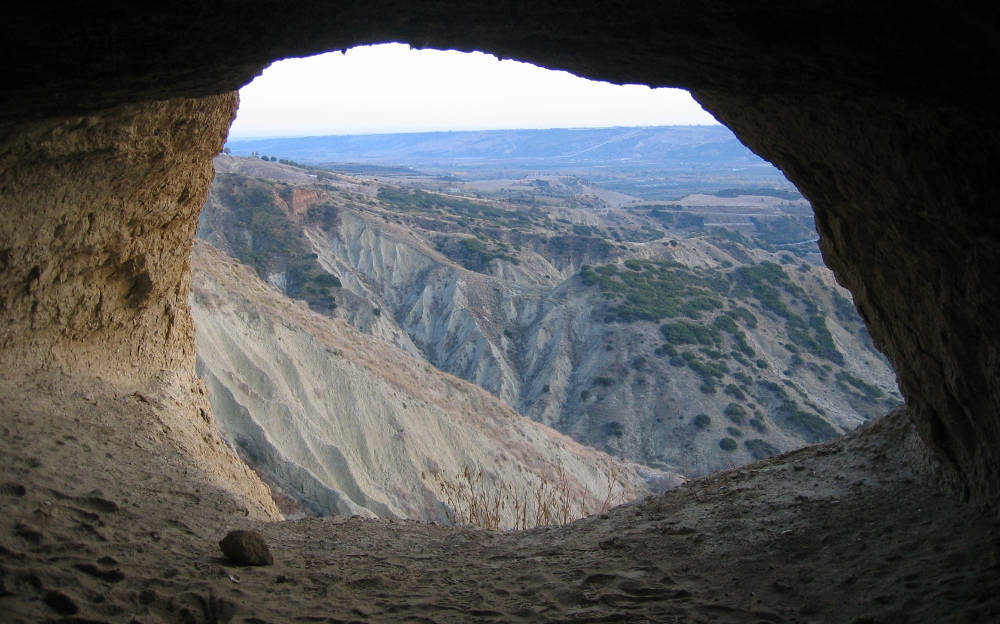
(246, 548)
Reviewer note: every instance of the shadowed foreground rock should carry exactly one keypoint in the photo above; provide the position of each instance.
(246, 548)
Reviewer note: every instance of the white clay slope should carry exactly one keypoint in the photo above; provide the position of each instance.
(340, 422)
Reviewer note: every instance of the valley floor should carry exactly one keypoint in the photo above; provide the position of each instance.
(113, 507)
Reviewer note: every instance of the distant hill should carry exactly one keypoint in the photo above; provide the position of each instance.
(650, 144)
(669, 151)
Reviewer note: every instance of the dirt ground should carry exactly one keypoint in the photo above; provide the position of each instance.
(108, 517)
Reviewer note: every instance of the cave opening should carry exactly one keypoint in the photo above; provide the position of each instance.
(748, 350)
(108, 131)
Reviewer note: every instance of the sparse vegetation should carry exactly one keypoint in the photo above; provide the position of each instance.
(673, 218)
(734, 392)
(779, 230)
(813, 426)
(416, 200)
(475, 253)
(261, 235)
(845, 379)
(760, 449)
(735, 413)
(716, 319)
(651, 291)
(613, 429)
(684, 333)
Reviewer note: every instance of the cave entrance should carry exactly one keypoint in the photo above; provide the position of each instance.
(634, 278)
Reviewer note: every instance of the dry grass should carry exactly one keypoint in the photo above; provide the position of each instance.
(474, 498)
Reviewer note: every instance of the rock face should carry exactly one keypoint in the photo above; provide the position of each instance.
(100, 214)
(880, 116)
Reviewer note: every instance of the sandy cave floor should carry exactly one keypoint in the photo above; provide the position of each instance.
(105, 519)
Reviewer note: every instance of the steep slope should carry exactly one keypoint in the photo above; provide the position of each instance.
(340, 422)
(639, 330)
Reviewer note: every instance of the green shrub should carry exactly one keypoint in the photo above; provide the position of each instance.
(742, 314)
(733, 431)
(726, 323)
(843, 308)
(654, 290)
(871, 392)
(813, 427)
(760, 449)
(738, 357)
(684, 332)
(728, 444)
(712, 354)
(740, 339)
(613, 429)
(735, 413)
(734, 392)
(604, 381)
(702, 420)
(666, 349)
(325, 280)
(708, 371)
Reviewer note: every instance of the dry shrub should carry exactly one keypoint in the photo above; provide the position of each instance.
(473, 498)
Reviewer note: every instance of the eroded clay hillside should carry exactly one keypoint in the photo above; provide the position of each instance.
(339, 422)
(637, 329)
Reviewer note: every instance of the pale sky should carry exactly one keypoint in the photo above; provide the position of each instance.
(393, 88)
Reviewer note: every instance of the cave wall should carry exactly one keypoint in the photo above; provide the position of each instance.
(905, 204)
(99, 215)
(877, 111)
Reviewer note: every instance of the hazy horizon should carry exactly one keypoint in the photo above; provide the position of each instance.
(395, 89)
(390, 132)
